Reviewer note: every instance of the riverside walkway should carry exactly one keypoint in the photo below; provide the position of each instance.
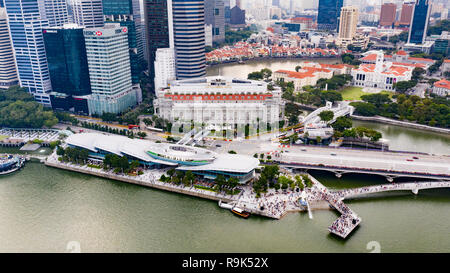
(412, 186)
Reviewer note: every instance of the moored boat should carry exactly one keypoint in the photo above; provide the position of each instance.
(10, 163)
(240, 212)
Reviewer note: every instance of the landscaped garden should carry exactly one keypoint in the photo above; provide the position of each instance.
(355, 93)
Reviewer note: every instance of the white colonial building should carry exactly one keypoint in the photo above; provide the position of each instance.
(441, 88)
(381, 74)
(310, 73)
(219, 101)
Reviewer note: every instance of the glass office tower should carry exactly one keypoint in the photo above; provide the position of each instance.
(329, 14)
(156, 15)
(419, 22)
(68, 67)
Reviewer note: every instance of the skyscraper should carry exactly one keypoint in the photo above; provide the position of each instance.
(109, 69)
(329, 14)
(189, 38)
(406, 15)
(26, 32)
(54, 11)
(419, 22)
(87, 13)
(68, 67)
(215, 16)
(387, 14)
(127, 13)
(8, 73)
(156, 13)
(348, 22)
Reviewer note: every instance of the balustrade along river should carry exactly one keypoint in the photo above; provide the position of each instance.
(44, 209)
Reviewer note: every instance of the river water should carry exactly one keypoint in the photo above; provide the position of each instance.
(43, 209)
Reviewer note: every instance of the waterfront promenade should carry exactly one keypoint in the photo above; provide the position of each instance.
(412, 186)
(272, 204)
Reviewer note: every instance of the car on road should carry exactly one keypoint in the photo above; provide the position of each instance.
(415, 157)
(409, 159)
(304, 150)
(334, 154)
(218, 145)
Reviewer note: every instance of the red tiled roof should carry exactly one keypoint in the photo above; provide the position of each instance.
(298, 75)
(442, 84)
(370, 57)
(421, 59)
(447, 61)
(401, 52)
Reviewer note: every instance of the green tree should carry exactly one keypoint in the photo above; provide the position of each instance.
(326, 115)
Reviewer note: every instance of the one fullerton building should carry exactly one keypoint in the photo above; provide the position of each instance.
(222, 102)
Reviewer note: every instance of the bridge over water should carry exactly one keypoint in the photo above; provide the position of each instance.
(411, 186)
(387, 164)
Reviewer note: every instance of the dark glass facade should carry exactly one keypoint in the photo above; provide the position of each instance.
(117, 7)
(441, 46)
(418, 29)
(329, 14)
(67, 61)
(157, 31)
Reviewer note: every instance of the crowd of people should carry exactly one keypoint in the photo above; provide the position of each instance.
(344, 224)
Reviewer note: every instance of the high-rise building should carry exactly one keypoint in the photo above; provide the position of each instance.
(68, 67)
(109, 69)
(329, 14)
(276, 3)
(406, 15)
(237, 17)
(215, 16)
(28, 43)
(347, 25)
(189, 38)
(156, 13)
(54, 11)
(164, 67)
(8, 72)
(419, 22)
(127, 13)
(87, 13)
(387, 14)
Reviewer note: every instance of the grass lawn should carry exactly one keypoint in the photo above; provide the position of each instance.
(355, 93)
(2, 137)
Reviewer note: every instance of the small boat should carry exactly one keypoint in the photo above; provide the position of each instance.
(240, 212)
(241, 62)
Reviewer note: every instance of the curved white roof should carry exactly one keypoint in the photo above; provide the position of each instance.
(182, 152)
(138, 148)
(227, 163)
